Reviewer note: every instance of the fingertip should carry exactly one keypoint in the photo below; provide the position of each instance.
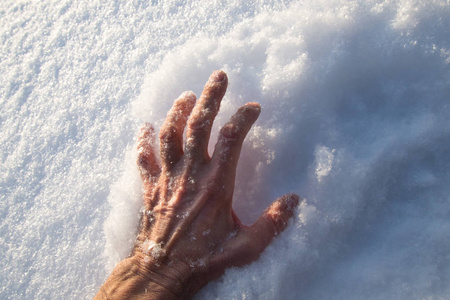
(252, 109)
(188, 96)
(282, 210)
(183, 104)
(218, 76)
(216, 84)
(246, 115)
(285, 205)
(254, 105)
(291, 201)
(146, 132)
(147, 127)
(146, 159)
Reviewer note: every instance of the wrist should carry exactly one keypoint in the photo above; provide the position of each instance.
(139, 277)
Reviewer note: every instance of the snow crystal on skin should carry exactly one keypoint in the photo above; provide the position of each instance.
(153, 249)
(183, 215)
(189, 143)
(193, 238)
(199, 263)
(177, 111)
(149, 213)
(232, 235)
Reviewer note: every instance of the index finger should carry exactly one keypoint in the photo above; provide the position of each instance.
(229, 144)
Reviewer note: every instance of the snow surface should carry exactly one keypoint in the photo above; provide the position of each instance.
(355, 118)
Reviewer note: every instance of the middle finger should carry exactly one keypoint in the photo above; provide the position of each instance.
(202, 117)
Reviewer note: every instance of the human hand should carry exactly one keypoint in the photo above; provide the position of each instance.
(189, 232)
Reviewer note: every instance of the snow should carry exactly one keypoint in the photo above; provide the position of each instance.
(153, 249)
(354, 98)
(324, 161)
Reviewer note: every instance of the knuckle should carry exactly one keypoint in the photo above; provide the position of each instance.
(144, 155)
(141, 161)
(231, 132)
(199, 124)
(168, 134)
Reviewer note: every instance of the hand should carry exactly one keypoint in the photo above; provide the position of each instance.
(189, 232)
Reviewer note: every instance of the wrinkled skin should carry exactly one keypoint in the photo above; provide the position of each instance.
(189, 232)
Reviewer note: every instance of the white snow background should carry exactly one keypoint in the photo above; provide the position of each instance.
(355, 118)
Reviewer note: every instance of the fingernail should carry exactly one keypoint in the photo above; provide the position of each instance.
(254, 105)
(218, 76)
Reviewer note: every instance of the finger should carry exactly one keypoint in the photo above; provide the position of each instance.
(252, 241)
(229, 144)
(147, 161)
(202, 117)
(273, 220)
(171, 134)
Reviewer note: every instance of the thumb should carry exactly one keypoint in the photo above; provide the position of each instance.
(251, 241)
(272, 222)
